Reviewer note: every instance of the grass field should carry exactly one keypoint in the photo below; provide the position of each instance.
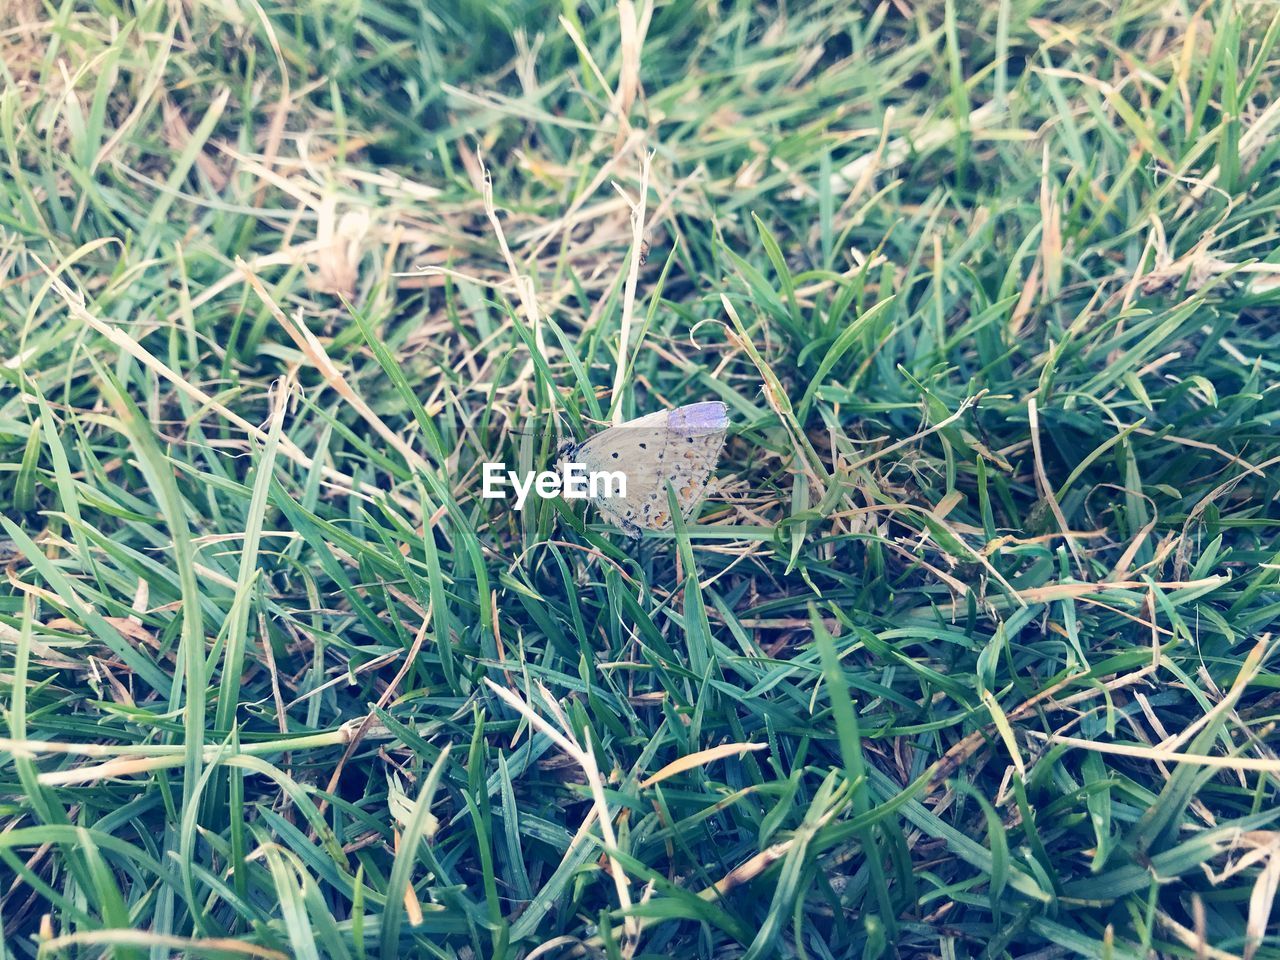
(972, 652)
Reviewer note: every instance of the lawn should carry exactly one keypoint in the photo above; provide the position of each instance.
(971, 648)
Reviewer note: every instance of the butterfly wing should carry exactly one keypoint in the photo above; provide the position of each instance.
(679, 447)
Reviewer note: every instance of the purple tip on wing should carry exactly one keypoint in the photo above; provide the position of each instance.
(703, 417)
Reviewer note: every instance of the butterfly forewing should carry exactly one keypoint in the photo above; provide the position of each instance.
(679, 447)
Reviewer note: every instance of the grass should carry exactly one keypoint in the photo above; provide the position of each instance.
(972, 653)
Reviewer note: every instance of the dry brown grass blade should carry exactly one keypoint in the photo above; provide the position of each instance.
(585, 758)
(127, 626)
(144, 938)
(1259, 132)
(40, 650)
(178, 135)
(1050, 231)
(630, 40)
(523, 282)
(928, 136)
(1195, 939)
(143, 99)
(1261, 903)
(116, 336)
(112, 769)
(275, 132)
(1046, 489)
(545, 233)
(1045, 700)
(364, 725)
(1159, 755)
(1065, 591)
(701, 758)
(1165, 754)
(314, 351)
(629, 291)
(412, 906)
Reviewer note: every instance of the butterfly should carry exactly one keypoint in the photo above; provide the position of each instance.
(680, 447)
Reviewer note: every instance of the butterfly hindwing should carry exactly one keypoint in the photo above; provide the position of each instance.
(679, 447)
